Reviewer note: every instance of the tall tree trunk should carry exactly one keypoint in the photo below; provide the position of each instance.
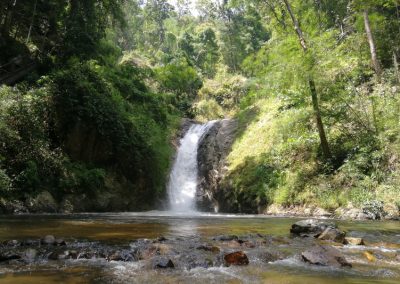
(371, 41)
(32, 21)
(314, 95)
(396, 66)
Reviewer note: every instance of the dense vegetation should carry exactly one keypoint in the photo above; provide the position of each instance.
(314, 84)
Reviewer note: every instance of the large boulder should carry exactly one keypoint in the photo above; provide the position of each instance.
(325, 256)
(214, 147)
(311, 227)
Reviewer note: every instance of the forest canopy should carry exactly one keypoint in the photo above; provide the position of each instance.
(94, 91)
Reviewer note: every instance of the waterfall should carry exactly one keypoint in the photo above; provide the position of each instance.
(183, 178)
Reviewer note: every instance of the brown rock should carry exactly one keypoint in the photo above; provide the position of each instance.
(236, 258)
(332, 234)
(354, 241)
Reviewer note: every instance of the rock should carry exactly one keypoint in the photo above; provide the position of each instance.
(162, 239)
(54, 256)
(332, 234)
(30, 255)
(226, 238)
(351, 213)
(215, 145)
(270, 256)
(325, 256)
(320, 212)
(209, 248)
(48, 240)
(115, 256)
(370, 256)
(392, 211)
(354, 241)
(7, 256)
(60, 242)
(12, 207)
(71, 254)
(12, 243)
(374, 210)
(310, 227)
(163, 263)
(236, 258)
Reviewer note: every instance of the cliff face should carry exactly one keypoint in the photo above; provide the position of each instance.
(215, 145)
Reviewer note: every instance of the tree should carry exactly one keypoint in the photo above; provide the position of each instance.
(314, 96)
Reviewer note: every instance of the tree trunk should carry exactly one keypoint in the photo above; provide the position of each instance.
(314, 95)
(374, 56)
(396, 66)
(32, 21)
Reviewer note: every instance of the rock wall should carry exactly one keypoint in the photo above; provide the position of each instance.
(214, 147)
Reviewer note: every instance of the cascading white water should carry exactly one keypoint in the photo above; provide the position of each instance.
(183, 178)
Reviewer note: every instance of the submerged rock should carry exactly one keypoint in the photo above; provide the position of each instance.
(236, 258)
(325, 256)
(311, 227)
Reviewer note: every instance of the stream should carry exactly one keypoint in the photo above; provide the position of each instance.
(118, 232)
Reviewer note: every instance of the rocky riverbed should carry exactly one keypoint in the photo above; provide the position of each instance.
(311, 244)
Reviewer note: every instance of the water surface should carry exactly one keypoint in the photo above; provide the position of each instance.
(121, 229)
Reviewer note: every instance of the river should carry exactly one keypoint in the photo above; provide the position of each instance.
(120, 230)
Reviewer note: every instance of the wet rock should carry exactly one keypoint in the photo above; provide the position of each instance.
(192, 260)
(55, 256)
(71, 254)
(12, 243)
(162, 239)
(162, 263)
(354, 241)
(325, 256)
(310, 227)
(115, 256)
(236, 258)
(213, 249)
(30, 255)
(332, 234)
(370, 256)
(48, 240)
(7, 256)
(270, 256)
(226, 238)
(28, 243)
(215, 145)
(60, 242)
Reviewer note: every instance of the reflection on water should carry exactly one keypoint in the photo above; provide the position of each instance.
(116, 229)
